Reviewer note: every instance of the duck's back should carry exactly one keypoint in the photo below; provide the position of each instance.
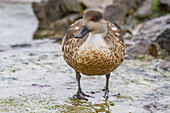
(93, 55)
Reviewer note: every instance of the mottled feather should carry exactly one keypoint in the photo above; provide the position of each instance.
(94, 62)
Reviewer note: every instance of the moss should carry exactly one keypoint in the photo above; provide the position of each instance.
(13, 71)
(153, 50)
(162, 53)
(81, 106)
(145, 57)
(82, 7)
(155, 5)
(156, 12)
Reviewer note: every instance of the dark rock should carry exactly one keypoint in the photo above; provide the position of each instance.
(164, 40)
(57, 29)
(164, 5)
(53, 12)
(152, 35)
(64, 23)
(157, 30)
(95, 4)
(21, 45)
(116, 13)
(140, 48)
(50, 10)
(145, 9)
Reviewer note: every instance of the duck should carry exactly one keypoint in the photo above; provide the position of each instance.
(93, 46)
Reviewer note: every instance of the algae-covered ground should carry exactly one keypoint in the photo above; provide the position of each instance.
(35, 78)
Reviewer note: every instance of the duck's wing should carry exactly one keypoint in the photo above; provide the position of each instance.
(115, 41)
(73, 30)
(114, 32)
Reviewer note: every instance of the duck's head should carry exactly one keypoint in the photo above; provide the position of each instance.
(94, 23)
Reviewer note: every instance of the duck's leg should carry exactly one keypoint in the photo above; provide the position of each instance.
(80, 94)
(106, 89)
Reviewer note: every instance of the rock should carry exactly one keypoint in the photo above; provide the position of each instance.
(64, 23)
(56, 29)
(152, 35)
(95, 4)
(91, 3)
(153, 28)
(157, 30)
(51, 10)
(116, 12)
(140, 48)
(164, 5)
(164, 40)
(145, 9)
(51, 14)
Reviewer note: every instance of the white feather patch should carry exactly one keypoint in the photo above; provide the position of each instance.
(114, 29)
(95, 43)
(76, 28)
(117, 34)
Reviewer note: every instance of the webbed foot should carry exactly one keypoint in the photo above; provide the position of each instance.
(81, 95)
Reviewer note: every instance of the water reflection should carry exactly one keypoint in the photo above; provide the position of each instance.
(82, 105)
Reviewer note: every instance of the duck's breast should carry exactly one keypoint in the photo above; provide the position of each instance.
(94, 47)
(93, 56)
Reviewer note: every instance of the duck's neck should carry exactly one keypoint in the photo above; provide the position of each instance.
(97, 39)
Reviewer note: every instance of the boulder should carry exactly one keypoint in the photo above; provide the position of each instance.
(164, 40)
(157, 30)
(164, 5)
(153, 28)
(152, 33)
(56, 29)
(95, 4)
(145, 9)
(116, 12)
(139, 48)
(51, 14)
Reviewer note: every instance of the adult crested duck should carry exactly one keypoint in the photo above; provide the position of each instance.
(93, 46)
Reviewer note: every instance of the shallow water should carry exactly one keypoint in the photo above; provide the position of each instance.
(17, 21)
(35, 78)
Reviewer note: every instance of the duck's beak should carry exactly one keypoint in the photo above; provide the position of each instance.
(84, 30)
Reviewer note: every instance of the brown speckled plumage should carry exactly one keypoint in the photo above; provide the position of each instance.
(93, 46)
(94, 62)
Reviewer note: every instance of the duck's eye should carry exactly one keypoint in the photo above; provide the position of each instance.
(94, 19)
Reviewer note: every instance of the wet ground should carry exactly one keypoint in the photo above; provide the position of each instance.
(35, 78)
